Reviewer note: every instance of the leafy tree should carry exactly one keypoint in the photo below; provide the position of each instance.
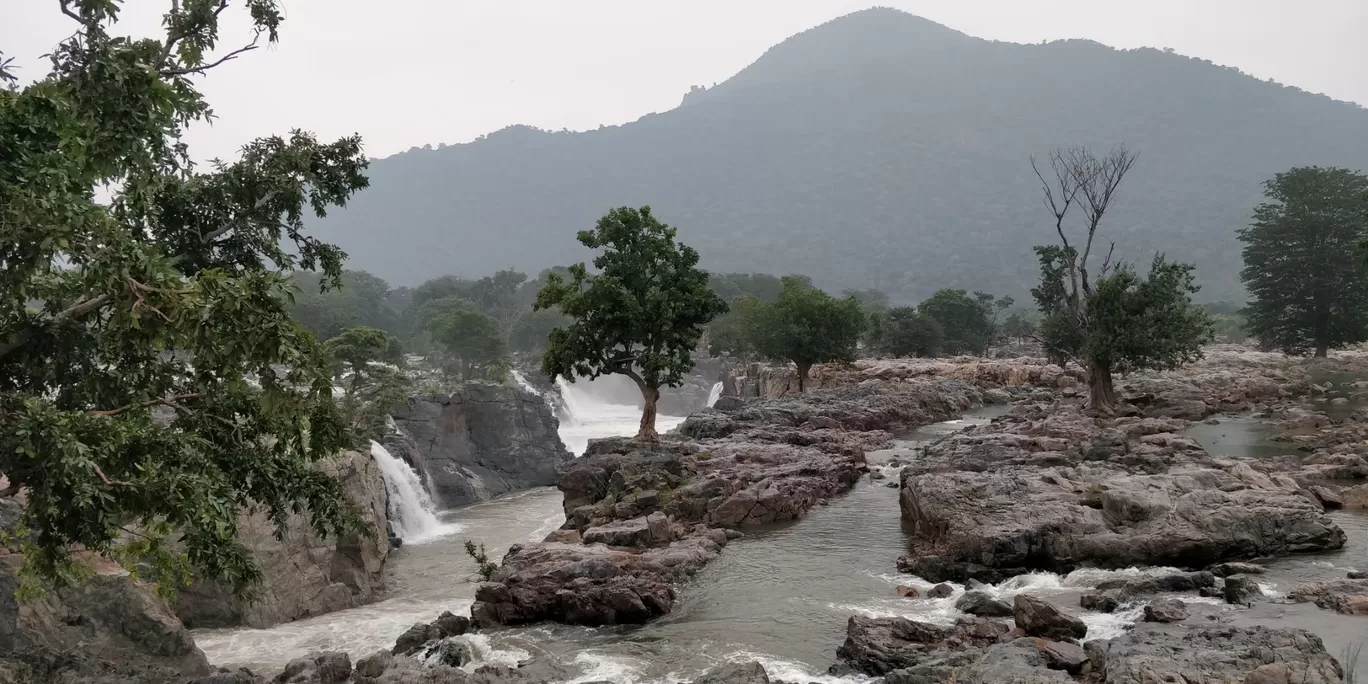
(1309, 290)
(1018, 327)
(170, 297)
(497, 297)
(361, 300)
(641, 315)
(870, 300)
(992, 312)
(963, 318)
(532, 330)
(909, 333)
(1120, 321)
(762, 286)
(471, 344)
(730, 333)
(806, 326)
(1229, 320)
(368, 362)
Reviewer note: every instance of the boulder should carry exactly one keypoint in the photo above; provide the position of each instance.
(1037, 617)
(1102, 603)
(1235, 568)
(940, 591)
(878, 646)
(1166, 610)
(1241, 590)
(109, 629)
(478, 442)
(983, 605)
(735, 673)
(303, 574)
(1348, 596)
(332, 667)
(643, 531)
(907, 591)
(1021, 661)
(419, 635)
(1159, 653)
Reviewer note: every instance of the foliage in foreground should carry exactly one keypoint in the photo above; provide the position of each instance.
(641, 315)
(1308, 288)
(152, 381)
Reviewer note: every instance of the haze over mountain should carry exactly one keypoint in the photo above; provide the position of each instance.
(877, 150)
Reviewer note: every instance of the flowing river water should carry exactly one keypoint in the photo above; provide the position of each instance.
(780, 595)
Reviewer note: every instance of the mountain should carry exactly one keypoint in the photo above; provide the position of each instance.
(876, 150)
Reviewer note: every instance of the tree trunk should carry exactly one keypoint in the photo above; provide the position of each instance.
(648, 433)
(1101, 395)
(1322, 350)
(803, 369)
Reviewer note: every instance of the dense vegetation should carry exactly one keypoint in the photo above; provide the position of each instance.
(641, 313)
(857, 154)
(152, 380)
(1308, 286)
(803, 325)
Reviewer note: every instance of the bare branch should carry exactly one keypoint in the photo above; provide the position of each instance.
(66, 9)
(1107, 262)
(168, 73)
(108, 482)
(168, 401)
(1098, 180)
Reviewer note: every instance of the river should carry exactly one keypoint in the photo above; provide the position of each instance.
(780, 595)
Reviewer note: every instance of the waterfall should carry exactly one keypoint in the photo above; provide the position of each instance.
(715, 394)
(410, 508)
(523, 383)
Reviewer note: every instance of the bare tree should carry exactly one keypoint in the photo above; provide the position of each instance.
(1079, 178)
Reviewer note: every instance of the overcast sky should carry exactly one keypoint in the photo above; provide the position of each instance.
(406, 73)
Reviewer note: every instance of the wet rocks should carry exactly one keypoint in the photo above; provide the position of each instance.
(940, 591)
(1183, 581)
(1101, 603)
(1037, 617)
(1240, 590)
(479, 441)
(643, 531)
(332, 667)
(735, 673)
(1348, 596)
(419, 635)
(589, 584)
(982, 605)
(1159, 653)
(1166, 610)
(907, 591)
(1026, 661)
(878, 646)
(1235, 568)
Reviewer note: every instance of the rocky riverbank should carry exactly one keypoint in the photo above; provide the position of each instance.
(642, 517)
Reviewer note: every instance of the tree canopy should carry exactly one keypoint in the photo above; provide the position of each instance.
(1308, 289)
(968, 322)
(167, 300)
(640, 315)
(471, 345)
(804, 325)
(368, 364)
(903, 331)
(360, 300)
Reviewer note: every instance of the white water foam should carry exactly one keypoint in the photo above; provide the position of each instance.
(410, 508)
(715, 394)
(587, 417)
(482, 653)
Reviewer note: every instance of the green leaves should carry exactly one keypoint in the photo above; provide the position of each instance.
(1308, 286)
(472, 344)
(905, 332)
(152, 380)
(641, 315)
(965, 320)
(804, 325)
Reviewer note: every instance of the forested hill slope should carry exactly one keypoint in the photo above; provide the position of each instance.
(877, 150)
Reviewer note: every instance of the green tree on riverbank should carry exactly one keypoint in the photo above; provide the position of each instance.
(1308, 287)
(641, 315)
(170, 298)
(1110, 319)
(804, 325)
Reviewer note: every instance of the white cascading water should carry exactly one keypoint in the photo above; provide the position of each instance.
(587, 417)
(715, 394)
(410, 508)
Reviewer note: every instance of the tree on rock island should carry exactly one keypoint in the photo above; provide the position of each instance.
(804, 325)
(367, 360)
(1309, 290)
(470, 345)
(1117, 320)
(152, 380)
(641, 315)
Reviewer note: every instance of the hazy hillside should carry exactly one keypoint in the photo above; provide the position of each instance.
(877, 150)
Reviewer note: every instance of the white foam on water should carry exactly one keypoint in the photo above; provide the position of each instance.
(601, 667)
(484, 653)
(1111, 625)
(523, 383)
(715, 394)
(1271, 590)
(587, 417)
(411, 510)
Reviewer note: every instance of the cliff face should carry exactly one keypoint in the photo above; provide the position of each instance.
(304, 574)
(478, 442)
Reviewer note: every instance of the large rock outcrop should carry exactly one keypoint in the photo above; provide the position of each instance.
(303, 574)
(111, 629)
(478, 442)
(1048, 488)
